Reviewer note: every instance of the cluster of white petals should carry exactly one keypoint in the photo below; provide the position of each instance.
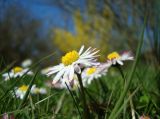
(85, 64)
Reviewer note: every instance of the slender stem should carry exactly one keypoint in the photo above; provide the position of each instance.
(121, 71)
(123, 83)
(132, 108)
(73, 99)
(32, 107)
(85, 107)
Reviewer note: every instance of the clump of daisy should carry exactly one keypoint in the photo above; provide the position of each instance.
(72, 63)
(116, 58)
(94, 72)
(16, 72)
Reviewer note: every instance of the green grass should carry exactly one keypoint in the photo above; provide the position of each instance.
(101, 97)
(125, 92)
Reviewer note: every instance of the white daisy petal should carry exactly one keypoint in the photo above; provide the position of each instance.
(81, 50)
(71, 74)
(58, 76)
(120, 62)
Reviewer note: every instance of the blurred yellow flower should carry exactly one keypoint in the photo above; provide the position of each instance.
(23, 88)
(17, 69)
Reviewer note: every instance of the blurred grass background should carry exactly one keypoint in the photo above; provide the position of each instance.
(36, 28)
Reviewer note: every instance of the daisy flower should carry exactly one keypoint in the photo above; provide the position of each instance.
(36, 90)
(26, 63)
(21, 91)
(94, 72)
(116, 58)
(16, 72)
(73, 62)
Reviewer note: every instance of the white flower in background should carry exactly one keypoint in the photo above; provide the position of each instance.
(94, 72)
(72, 63)
(21, 91)
(36, 90)
(26, 63)
(116, 58)
(7, 76)
(42, 90)
(45, 70)
(16, 72)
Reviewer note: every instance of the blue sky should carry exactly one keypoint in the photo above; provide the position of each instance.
(50, 13)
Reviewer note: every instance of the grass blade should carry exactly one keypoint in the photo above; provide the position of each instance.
(124, 92)
(28, 91)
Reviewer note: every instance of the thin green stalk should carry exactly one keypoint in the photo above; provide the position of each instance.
(124, 110)
(28, 107)
(132, 108)
(37, 103)
(85, 107)
(28, 91)
(125, 103)
(32, 107)
(124, 83)
(60, 103)
(126, 88)
(48, 101)
(73, 99)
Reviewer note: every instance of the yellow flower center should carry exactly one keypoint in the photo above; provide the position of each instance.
(17, 69)
(23, 88)
(70, 57)
(113, 55)
(91, 70)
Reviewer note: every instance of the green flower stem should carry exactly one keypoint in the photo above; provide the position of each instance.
(85, 107)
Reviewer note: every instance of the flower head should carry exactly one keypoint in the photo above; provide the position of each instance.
(26, 63)
(94, 72)
(71, 63)
(21, 91)
(16, 72)
(36, 90)
(116, 58)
